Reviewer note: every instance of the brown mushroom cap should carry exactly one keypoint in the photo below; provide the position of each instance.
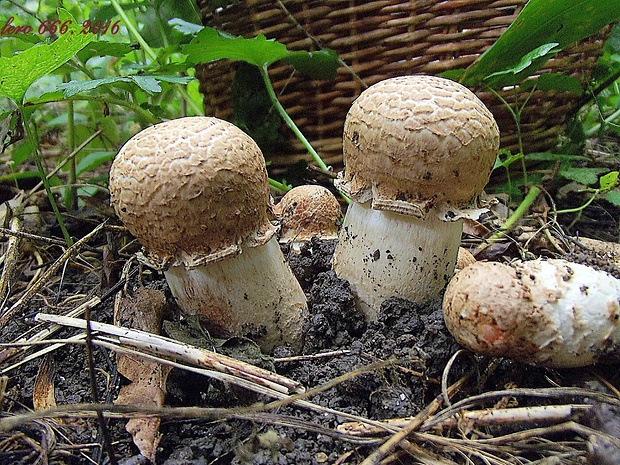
(192, 190)
(412, 143)
(308, 211)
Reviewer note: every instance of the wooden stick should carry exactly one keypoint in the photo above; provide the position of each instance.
(166, 347)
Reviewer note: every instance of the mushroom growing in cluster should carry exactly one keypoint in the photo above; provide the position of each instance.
(305, 212)
(194, 191)
(545, 312)
(418, 151)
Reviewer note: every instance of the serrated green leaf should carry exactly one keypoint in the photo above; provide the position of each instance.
(613, 197)
(149, 84)
(586, 176)
(542, 22)
(18, 72)
(609, 181)
(72, 88)
(211, 45)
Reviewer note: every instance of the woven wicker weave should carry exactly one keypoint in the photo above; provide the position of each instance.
(380, 39)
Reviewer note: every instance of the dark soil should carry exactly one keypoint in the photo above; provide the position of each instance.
(411, 341)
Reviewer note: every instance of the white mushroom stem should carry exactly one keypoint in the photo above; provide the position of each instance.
(384, 254)
(245, 294)
(551, 313)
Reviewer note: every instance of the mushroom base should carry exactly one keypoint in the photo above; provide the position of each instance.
(384, 254)
(253, 294)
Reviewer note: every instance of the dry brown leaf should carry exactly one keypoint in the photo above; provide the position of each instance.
(43, 396)
(143, 310)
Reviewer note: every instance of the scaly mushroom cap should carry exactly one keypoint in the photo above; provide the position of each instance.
(412, 143)
(306, 212)
(192, 190)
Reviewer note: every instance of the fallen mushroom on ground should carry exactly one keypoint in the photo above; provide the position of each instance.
(544, 312)
(418, 151)
(194, 191)
(305, 212)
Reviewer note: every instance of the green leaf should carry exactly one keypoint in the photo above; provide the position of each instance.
(185, 27)
(609, 181)
(211, 45)
(93, 160)
(613, 197)
(72, 88)
(21, 153)
(507, 76)
(553, 157)
(322, 64)
(555, 81)
(586, 176)
(18, 72)
(101, 48)
(509, 160)
(149, 84)
(453, 74)
(542, 22)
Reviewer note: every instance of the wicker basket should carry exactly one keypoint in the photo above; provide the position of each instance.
(380, 39)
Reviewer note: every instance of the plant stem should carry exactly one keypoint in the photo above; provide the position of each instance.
(594, 129)
(581, 207)
(35, 153)
(132, 28)
(71, 201)
(523, 207)
(288, 120)
(279, 185)
(149, 51)
(195, 108)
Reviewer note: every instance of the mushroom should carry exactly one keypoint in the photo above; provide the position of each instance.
(546, 312)
(194, 191)
(305, 212)
(418, 151)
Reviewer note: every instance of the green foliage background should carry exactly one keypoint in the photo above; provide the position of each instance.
(70, 86)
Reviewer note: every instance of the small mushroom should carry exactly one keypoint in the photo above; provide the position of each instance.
(418, 151)
(305, 212)
(545, 312)
(194, 191)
